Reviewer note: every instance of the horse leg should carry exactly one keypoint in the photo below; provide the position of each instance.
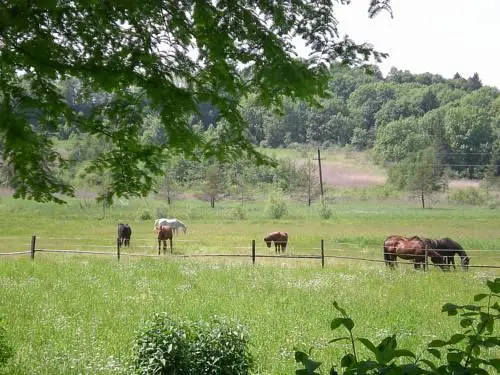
(159, 246)
(171, 247)
(451, 262)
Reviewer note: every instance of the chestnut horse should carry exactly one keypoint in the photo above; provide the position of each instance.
(280, 240)
(448, 249)
(414, 249)
(164, 234)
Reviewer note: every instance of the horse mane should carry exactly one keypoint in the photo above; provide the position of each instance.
(447, 243)
(415, 238)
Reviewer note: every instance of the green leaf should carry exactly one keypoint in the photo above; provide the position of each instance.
(450, 308)
(404, 353)
(494, 285)
(495, 362)
(456, 339)
(479, 297)
(311, 365)
(437, 343)
(490, 325)
(436, 353)
(472, 307)
(368, 344)
(348, 323)
(301, 357)
(456, 357)
(337, 322)
(338, 339)
(348, 360)
(466, 322)
(429, 363)
(339, 309)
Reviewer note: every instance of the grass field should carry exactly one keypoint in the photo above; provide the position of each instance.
(78, 314)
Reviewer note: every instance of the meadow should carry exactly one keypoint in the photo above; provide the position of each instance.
(79, 313)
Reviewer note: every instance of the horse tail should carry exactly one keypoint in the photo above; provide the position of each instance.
(387, 256)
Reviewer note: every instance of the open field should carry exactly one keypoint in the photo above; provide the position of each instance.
(74, 313)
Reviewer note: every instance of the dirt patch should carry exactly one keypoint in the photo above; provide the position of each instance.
(337, 174)
(462, 184)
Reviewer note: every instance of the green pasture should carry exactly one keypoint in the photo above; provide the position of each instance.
(79, 313)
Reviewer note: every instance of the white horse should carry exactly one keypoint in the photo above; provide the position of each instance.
(175, 224)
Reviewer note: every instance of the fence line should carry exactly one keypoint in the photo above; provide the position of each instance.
(16, 253)
(253, 254)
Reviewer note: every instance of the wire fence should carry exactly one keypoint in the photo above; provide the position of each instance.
(194, 249)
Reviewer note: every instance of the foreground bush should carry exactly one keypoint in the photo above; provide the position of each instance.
(466, 353)
(5, 349)
(171, 346)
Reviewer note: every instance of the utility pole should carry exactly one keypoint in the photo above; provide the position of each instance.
(320, 177)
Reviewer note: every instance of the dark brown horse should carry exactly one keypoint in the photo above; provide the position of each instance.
(448, 249)
(414, 249)
(280, 240)
(165, 233)
(124, 234)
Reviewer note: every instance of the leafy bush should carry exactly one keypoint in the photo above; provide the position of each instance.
(6, 350)
(466, 353)
(239, 213)
(470, 195)
(145, 215)
(325, 212)
(162, 212)
(171, 346)
(276, 206)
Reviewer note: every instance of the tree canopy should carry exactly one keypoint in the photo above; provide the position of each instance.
(162, 57)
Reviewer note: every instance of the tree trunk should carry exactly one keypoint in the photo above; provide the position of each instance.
(423, 198)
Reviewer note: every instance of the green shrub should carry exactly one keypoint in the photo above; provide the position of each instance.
(470, 195)
(172, 346)
(161, 212)
(6, 350)
(276, 206)
(239, 213)
(145, 215)
(325, 212)
(470, 352)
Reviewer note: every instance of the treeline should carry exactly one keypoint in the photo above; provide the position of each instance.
(398, 115)
(455, 122)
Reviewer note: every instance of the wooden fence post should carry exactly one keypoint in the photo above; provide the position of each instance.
(253, 251)
(426, 265)
(322, 254)
(118, 248)
(33, 242)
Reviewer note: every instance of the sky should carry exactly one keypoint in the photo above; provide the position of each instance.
(436, 36)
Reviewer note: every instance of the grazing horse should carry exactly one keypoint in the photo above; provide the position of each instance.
(448, 249)
(124, 234)
(165, 233)
(280, 240)
(414, 249)
(175, 224)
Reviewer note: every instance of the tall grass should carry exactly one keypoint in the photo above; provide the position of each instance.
(69, 315)
(74, 314)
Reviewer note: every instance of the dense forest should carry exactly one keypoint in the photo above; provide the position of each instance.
(451, 125)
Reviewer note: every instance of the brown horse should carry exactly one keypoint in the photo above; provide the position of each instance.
(280, 240)
(448, 249)
(165, 233)
(414, 249)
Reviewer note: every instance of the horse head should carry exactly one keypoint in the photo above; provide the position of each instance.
(268, 241)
